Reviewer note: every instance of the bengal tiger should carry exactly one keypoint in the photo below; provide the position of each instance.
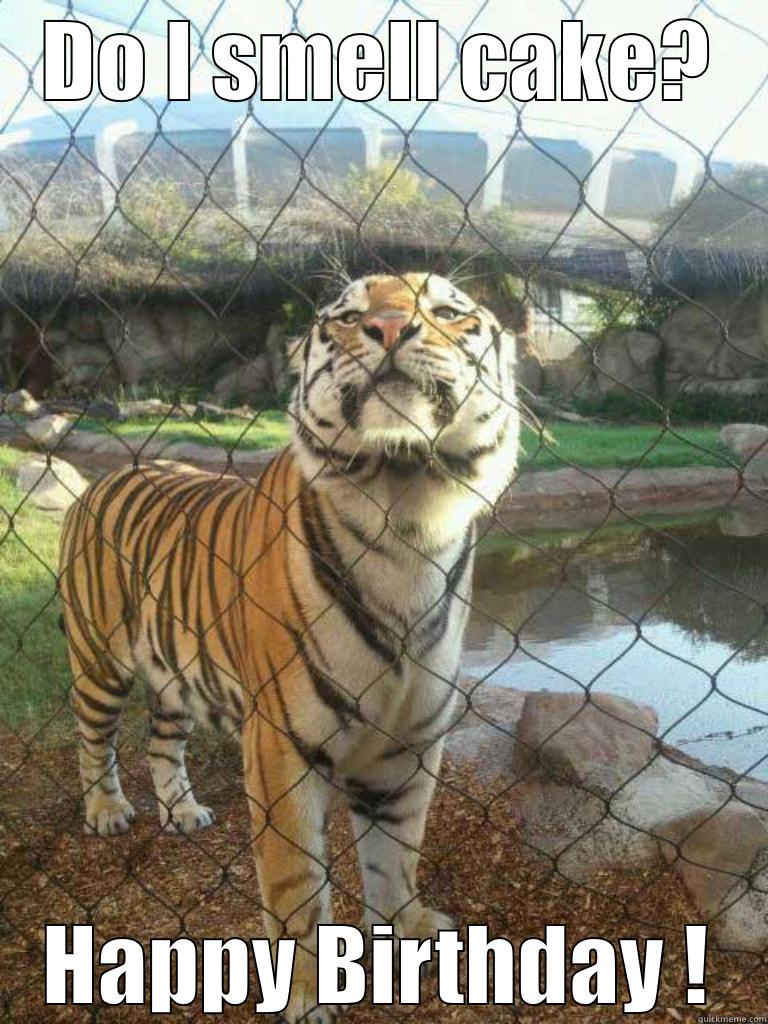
(317, 612)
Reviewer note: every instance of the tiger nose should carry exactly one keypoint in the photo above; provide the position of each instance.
(386, 327)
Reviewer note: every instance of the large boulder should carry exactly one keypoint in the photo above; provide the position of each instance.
(574, 752)
(528, 371)
(483, 729)
(173, 342)
(722, 857)
(716, 339)
(746, 440)
(52, 484)
(595, 790)
(276, 350)
(597, 740)
(567, 376)
(48, 432)
(19, 403)
(250, 382)
(627, 361)
(746, 516)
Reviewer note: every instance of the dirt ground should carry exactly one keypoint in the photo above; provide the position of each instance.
(144, 885)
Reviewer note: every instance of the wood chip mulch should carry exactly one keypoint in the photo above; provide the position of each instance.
(144, 885)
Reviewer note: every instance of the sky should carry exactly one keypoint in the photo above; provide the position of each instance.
(725, 110)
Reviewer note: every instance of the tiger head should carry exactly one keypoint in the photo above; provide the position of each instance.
(410, 373)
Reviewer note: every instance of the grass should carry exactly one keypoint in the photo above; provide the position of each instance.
(593, 446)
(597, 446)
(269, 429)
(34, 673)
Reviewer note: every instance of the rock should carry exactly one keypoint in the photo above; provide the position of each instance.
(484, 725)
(627, 359)
(746, 440)
(717, 842)
(576, 830)
(82, 365)
(97, 408)
(489, 751)
(573, 755)
(740, 386)
(665, 792)
(742, 921)
(569, 375)
(144, 408)
(528, 372)
(623, 361)
(718, 855)
(19, 402)
(696, 346)
(747, 516)
(485, 704)
(216, 414)
(620, 800)
(48, 431)
(753, 793)
(599, 743)
(51, 488)
(250, 381)
(276, 350)
(168, 342)
(95, 347)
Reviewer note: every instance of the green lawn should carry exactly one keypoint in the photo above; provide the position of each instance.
(596, 446)
(269, 429)
(593, 446)
(34, 674)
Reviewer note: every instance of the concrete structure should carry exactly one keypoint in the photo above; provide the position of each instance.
(250, 154)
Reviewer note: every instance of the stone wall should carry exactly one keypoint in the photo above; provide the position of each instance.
(144, 348)
(711, 345)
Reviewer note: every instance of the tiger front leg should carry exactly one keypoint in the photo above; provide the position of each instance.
(389, 812)
(171, 726)
(288, 801)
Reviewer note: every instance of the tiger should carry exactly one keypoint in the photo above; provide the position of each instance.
(317, 613)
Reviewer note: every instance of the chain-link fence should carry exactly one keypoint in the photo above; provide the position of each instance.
(178, 287)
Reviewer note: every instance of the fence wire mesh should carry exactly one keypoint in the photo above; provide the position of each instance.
(151, 280)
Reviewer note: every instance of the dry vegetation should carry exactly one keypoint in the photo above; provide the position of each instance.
(146, 886)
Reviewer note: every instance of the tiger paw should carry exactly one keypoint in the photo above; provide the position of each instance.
(186, 818)
(108, 815)
(420, 922)
(303, 1008)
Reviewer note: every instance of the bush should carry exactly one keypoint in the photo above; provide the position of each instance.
(689, 407)
(637, 311)
(397, 202)
(713, 217)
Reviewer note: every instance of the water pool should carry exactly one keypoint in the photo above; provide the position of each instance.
(671, 613)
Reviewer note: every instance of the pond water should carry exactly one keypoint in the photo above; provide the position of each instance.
(672, 613)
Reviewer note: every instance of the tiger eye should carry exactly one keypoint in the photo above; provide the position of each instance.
(446, 313)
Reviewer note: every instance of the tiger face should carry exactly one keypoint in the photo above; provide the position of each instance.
(404, 365)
